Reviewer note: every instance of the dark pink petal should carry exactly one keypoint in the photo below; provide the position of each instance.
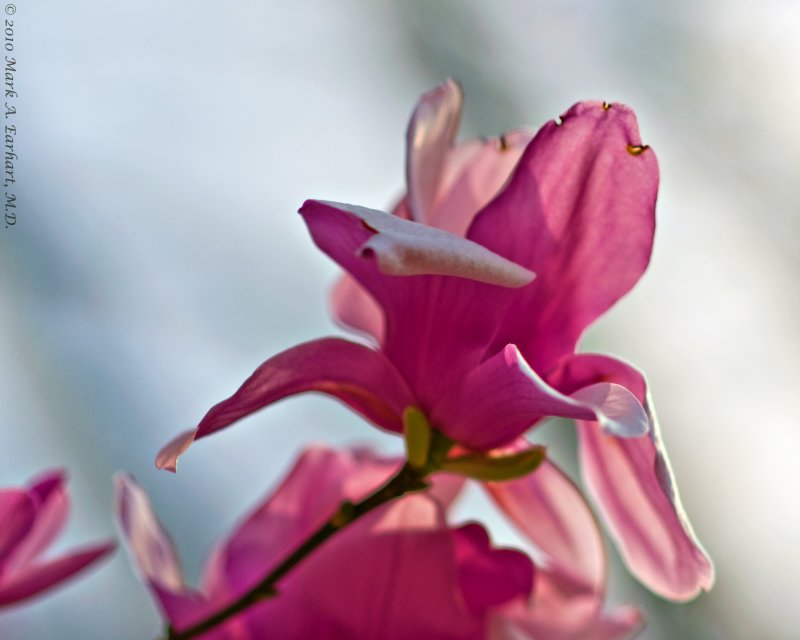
(548, 508)
(359, 582)
(310, 495)
(391, 575)
(34, 579)
(17, 513)
(436, 326)
(431, 133)
(51, 502)
(187, 607)
(502, 397)
(490, 577)
(49, 482)
(633, 484)
(357, 375)
(579, 211)
(354, 308)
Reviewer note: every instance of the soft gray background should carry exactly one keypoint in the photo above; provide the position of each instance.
(165, 147)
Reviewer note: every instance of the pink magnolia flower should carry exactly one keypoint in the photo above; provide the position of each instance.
(475, 293)
(30, 519)
(399, 572)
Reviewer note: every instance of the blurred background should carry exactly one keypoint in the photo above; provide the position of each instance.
(157, 258)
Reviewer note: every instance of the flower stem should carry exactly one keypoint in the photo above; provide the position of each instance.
(405, 481)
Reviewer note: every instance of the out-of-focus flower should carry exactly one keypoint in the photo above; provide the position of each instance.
(398, 572)
(445, 287)
(30, 519)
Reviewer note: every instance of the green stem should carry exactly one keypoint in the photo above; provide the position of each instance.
(406, 481)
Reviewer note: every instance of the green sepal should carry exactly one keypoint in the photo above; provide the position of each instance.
(496, 468)
(417, 432)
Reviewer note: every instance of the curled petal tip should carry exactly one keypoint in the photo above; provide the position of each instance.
(619, 412)
(167, 458)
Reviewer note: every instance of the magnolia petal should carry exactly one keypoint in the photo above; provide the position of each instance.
(359, 376)
(167, 456)
(155, 558)
(354, 308)
(431, 133)
(391, 575)
(474, 173)
(151, 547)
(621, 623)
(502, 397)
(490, 577)
(364, 581)
(52, 508)
(446, 488)
(406, 248)
(550, 510)
(633, 484)
(437, 326)
(542, 621)
(579, 211)
(618, 411)
(35, 579)
(310, 495)
(17, 513)
(186, 607)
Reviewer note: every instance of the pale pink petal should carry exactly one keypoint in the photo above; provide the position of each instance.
(548, 508)
(490, 577)
(155, 557)
(406, 248)
(167, 456)
(354, 308)
(358, 376)
(446, 488)
(474, 173)
(35, 579)
(619, 412)
(502, 397)
(579, 211)
(539, 622)
(621, 623)
(431, 133)
(151, 547)
(52, 508)
(17, 514)
(633, 484)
